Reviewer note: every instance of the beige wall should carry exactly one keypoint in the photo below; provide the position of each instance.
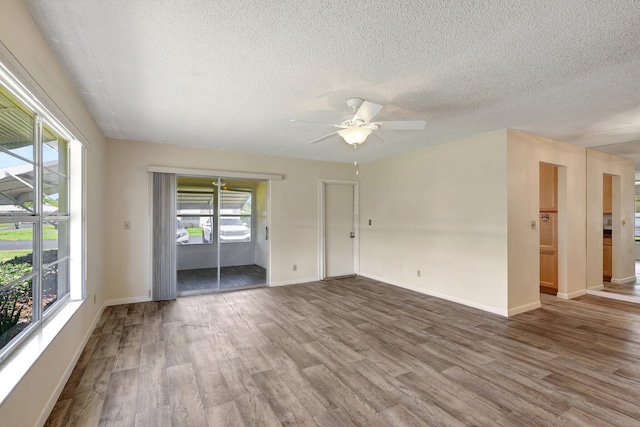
(525, 153)
(33, 61)
(442, 211)
(623, 240)
(294, 209)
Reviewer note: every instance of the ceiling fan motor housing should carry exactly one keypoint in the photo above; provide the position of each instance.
(355, 103)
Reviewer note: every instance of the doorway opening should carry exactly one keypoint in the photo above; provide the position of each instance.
(221, 233)
(548, 220)
(607, 227)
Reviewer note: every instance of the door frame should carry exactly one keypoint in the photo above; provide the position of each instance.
(563, 231)
(208, 173)
(322, 183)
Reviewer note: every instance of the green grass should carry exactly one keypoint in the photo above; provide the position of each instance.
(9, 254)
(194, 231)
(50, 233)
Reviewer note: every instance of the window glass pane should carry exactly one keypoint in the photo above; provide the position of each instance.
(55, 241)
(195, 215)
(16, 251)
(16, 310)
(193, 230)
(55, 283)
(16, 185)
(235, 216)
(54, 193)
(16, 127)
(234, 230)
(55, 151)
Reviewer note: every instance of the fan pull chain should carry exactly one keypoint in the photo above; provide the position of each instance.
(355, 163)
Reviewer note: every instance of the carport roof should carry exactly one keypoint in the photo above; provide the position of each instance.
(198, 200)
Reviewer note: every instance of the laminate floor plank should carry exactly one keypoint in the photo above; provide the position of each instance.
(355, 352)
(59, 413)
(225, 414)
(500, 396)
(282, 400)
(85, 409)
(463, 404)
(119, 408)
(251, 403)
(358, 411)
(254, 361)
(184, 397)
(426, 409)
(365, 389)
(153, 391)
(160, 417)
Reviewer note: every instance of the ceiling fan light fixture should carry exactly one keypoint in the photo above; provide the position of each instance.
(355, 135)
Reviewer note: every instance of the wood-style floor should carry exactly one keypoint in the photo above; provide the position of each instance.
(355, 352)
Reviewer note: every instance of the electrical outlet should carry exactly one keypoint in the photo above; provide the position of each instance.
(295, 267)
(369, 222)
(533, 225)
(127, 225)
(419, 273)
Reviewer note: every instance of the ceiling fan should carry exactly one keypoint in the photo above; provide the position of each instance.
(355, 130)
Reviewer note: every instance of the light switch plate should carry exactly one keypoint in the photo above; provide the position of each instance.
(533, 225)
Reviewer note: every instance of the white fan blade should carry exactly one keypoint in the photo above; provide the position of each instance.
(378, 136)
(315, 122)
(402, 125)
(322, 138)
(367, 111)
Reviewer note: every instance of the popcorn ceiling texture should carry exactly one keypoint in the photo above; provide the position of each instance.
(231, 74)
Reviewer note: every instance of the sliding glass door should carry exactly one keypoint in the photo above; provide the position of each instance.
(220, 234)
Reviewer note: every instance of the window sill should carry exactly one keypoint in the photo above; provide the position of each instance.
(18, 364)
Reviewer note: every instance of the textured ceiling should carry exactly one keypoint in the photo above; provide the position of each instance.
(231, 74)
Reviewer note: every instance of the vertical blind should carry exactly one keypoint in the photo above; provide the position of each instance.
(164, 236)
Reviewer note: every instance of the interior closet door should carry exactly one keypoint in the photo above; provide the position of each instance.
(339, 230)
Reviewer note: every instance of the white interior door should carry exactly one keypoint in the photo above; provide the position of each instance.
(339, 230)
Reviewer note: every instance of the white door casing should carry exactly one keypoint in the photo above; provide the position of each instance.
(339, 228)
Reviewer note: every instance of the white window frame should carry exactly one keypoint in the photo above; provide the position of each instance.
(75, 216)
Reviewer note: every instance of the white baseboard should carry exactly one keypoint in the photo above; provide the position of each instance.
(571, 295)
(294, 282)
(624, 280)
(121, 301)
(595, 288)
(46, 411)
(524, 308)
(490, 309)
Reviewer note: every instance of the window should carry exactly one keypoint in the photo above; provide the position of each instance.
(195, 208)
(35, 219)
(197, 205)
(235, 216)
